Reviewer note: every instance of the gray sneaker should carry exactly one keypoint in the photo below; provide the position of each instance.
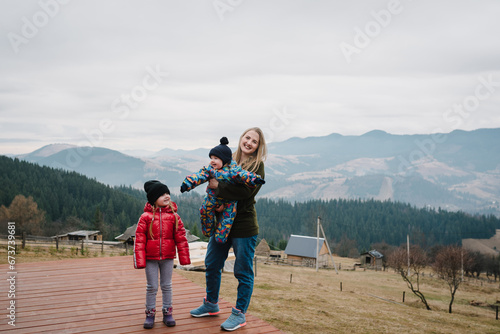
(235, 321)
(205, 310)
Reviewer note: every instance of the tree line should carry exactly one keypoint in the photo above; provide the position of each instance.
(355, 225)
(70, 201)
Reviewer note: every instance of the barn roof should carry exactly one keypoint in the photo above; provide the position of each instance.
(303, 246)
(81, 233)
(374, 253)
(129, 233)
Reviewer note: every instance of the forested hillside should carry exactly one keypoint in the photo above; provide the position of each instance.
(72, 201)
(360, 224)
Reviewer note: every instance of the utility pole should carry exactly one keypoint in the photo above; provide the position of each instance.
(327, 246)
(408, 251)
(317, 245)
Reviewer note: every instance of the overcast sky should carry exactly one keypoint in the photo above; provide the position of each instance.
(130, 74)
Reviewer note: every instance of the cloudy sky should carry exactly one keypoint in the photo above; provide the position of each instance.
(130, 74)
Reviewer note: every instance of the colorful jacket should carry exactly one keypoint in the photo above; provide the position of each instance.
(231, 174)
(165, 239)
(245, 223)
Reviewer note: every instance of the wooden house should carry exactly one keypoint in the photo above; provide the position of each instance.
(128, 236)
(372, 259)
(81, 235)
(302, 250)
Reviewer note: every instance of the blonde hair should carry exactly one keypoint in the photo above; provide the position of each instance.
(152, 220)
(252, 163)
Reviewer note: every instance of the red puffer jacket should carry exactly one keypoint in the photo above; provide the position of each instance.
(164, 241)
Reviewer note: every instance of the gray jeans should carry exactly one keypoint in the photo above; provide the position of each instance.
(165, 267)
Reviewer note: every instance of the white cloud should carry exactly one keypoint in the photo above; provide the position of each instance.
(262, 59)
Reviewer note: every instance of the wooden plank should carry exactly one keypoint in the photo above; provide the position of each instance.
(104, 295)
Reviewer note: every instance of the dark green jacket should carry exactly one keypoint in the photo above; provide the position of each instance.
(245, 223)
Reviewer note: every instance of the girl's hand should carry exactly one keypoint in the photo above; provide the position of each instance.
(213, 183)
(219, 208)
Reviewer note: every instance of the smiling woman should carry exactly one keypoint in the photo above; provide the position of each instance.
(250, 155)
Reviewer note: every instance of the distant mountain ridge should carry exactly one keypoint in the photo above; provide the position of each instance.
(459, 170)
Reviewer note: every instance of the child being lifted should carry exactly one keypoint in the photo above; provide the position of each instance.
(223, 168)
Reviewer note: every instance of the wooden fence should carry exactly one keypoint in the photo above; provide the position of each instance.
(83, 247)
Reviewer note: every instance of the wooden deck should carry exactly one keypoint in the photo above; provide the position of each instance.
(101, 295)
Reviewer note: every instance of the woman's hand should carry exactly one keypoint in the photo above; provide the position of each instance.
(213, 183)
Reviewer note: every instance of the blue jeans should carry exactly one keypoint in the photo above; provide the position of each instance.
(244, 250)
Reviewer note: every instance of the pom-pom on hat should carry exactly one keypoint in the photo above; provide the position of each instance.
(222, 151)
(154, 189)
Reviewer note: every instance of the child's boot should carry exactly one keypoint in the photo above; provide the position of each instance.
(150, 319)
(168, 319)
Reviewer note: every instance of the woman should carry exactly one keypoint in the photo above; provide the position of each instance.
(250, 155)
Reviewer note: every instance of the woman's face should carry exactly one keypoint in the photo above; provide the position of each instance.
(249, 142)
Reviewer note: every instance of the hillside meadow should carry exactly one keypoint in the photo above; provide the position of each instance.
(301, 300)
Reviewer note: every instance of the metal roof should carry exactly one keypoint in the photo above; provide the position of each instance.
(376, 254)
(129, 233)
(83, 233)
(303, 246)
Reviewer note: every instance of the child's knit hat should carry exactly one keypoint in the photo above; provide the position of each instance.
(154, 189)
(222, 151)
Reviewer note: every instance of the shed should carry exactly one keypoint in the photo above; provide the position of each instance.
(128, 236)
(81, 235)
(302, 250)
(372, 259)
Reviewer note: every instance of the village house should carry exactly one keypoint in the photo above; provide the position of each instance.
(303, 251)
(372, 260)
(80, 235)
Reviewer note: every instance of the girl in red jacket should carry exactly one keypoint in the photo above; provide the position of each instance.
(159, 232)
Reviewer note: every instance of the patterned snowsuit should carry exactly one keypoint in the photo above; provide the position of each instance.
(231, 174)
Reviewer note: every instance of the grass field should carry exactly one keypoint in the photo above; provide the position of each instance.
(303, 301)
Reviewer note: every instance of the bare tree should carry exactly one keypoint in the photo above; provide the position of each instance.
(398, 260)
(493, 266)
(448, 265)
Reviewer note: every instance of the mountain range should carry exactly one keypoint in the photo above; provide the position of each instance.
(459, 170)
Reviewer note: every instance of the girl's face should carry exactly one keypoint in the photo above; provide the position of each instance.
(249, 143)
(163, 200)
(216, 162)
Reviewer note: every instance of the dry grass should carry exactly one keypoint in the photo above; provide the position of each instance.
(36, 253)
(370, 302)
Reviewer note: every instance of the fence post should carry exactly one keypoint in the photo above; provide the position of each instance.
(291, 278)
(24, 240)
(82, 247)
(404, 296)
(340, 286)
(102, 246)
(57, 242)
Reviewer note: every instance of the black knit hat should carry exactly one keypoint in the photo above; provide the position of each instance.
(154, 189)
(222, 151)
